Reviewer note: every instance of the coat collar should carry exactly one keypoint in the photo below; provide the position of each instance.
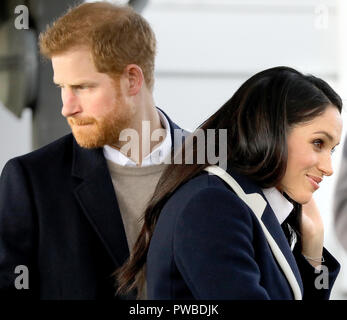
(86, 159)
(97, 198)
(177, 134)
(256, 200)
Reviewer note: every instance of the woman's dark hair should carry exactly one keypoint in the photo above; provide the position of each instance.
(258, 118)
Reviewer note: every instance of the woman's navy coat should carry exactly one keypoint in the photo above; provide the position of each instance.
(208, 244)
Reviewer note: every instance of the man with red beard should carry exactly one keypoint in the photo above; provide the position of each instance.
(70, 212)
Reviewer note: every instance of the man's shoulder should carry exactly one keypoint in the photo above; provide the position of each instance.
(173, 126)
(52, 152)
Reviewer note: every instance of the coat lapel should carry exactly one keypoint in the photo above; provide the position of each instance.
(98, 201)
(278, 243)
(271, 223)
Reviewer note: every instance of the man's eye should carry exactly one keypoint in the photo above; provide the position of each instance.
(81, 87)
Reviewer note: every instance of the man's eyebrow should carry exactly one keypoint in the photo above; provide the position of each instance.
(329, 136)
(81, 83)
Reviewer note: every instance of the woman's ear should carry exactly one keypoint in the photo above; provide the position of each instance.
(135, 79)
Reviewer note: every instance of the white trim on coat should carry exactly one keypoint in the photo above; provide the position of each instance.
(257, 204)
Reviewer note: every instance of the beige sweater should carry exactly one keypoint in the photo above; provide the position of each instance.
(134, 187)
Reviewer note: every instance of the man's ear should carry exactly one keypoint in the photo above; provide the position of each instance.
(135, 79)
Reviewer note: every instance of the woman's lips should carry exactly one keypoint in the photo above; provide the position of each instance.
(314, 181)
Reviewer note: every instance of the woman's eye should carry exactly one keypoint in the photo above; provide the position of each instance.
(318, 143)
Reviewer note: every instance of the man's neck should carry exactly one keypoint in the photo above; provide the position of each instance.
(145, 122)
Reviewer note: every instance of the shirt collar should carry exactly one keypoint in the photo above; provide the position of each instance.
(279, 204)
(157, 156)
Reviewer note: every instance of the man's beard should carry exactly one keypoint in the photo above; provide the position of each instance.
(95, 133)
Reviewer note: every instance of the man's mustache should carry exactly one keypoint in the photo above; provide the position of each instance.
(80, 121)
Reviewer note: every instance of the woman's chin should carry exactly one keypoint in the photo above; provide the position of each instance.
(301, 197)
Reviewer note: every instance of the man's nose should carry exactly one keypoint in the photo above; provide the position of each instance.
(71, 104)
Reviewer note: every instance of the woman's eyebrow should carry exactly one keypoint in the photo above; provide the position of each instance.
(329, 136)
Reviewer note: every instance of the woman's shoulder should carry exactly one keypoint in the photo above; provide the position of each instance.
(203, 192)
(203, 182)
(208, 182)
(207, 203)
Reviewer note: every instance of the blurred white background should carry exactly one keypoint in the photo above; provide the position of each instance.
(207, 48)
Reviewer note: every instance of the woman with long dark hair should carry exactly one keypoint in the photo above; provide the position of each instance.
(251, 231)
